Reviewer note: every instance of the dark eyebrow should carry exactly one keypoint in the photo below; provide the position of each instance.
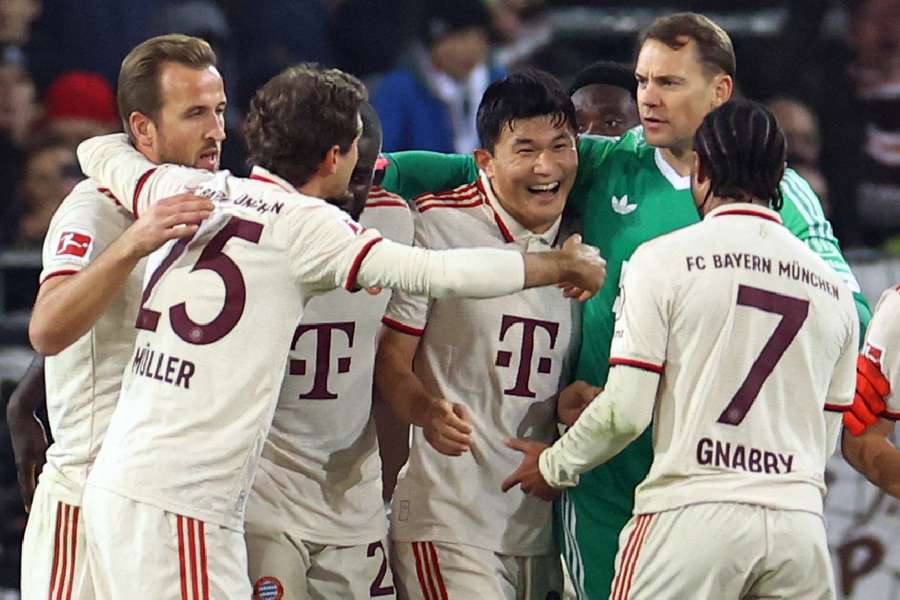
(521, 141)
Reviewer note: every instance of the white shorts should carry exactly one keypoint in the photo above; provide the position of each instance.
(443, 571)
(286, 568)
(137, 550)
(54, 561)
(723, 550)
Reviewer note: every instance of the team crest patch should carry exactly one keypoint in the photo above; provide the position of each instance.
(74, 243)
(268, 588)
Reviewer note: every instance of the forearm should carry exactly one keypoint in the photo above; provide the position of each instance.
(398, 385)
(467, 272)
(114, 163)
(66, 311)
(612, 421)
(29, 394)
(875, 457)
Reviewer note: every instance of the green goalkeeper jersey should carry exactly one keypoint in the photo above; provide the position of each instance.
(625, 194)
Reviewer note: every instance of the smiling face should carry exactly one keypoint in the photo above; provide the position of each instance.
(190, 125)
(532, 169)
(675, 91)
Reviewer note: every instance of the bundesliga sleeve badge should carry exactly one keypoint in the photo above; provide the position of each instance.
(74, 244)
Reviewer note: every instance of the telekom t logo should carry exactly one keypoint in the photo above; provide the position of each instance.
(504, 357)
(322, 368)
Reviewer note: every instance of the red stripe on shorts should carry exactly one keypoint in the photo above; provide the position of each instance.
(645, 526)
(203, 573)
(627, 553)
(437, 570)
(59, 506)
(181, 566)
(192, 550)
(74, 546)
(419, 572)
(63, 564)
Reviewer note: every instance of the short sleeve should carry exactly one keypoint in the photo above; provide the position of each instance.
(326, 248)
(408, 313)
(842, 387)
(84, 225)
(640, 334)
(882, 346)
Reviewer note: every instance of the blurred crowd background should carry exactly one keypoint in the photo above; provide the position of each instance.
(829, 69)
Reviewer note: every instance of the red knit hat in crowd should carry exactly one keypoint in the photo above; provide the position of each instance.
(80, 95)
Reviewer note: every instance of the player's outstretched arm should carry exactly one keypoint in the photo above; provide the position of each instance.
(29, 440)
(413, 173)
(444, 424)
(67, 306)
(478, 272)
(137, 182)
(612, 421)
(874, 455)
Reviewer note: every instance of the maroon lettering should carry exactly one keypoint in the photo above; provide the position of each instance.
(322, 367)
(170, 368)
(793, 313)
(526, 354)
(378, 588)
(185, 373)
(771, 463)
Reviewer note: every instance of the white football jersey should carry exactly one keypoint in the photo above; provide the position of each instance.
(217, 316)
(83, 381)
(755, 337)
(883, 345)
(216, 320)
(319, 475)
(505, 359)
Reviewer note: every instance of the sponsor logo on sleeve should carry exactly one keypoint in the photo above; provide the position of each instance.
(74, 243)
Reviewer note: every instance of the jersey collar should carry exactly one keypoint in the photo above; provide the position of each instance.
(679, 182)
(260, 174)
(510, 229)
(744, 209)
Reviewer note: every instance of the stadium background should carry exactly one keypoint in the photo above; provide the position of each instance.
(838, 61)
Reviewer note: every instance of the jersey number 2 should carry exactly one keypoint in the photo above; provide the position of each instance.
(793, 313)
(211, 259)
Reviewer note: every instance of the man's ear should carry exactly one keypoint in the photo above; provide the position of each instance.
(142, 129)
(723, 90)
(328, 166)
(484, 160)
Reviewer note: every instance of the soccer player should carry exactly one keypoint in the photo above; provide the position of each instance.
(604, 98)
(629, 191)
(315, 523)
(90, 286)
(736, 339)
(867, 444)
(470, 373)
(216, 320)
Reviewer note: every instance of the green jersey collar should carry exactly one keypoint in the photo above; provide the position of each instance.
(679, 182)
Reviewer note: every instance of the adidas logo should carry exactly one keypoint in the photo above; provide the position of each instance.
(621, 206)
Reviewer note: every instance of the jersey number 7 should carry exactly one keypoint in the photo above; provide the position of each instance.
(212, 259)
(793, 313)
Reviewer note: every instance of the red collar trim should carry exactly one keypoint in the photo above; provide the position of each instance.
(504, 230)
(748, 212)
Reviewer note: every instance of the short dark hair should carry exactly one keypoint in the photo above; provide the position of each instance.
(713, 43)
(605, 72)
(522, 95)
(742, 149)
(297, 116)
(138, 87)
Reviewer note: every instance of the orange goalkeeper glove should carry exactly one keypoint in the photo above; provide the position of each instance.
(871, 389)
